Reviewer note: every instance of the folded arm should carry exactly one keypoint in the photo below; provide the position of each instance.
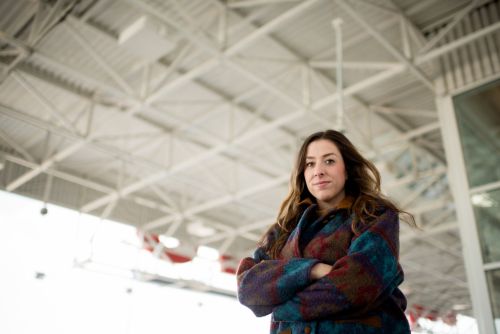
(264, 283)
(268, 283)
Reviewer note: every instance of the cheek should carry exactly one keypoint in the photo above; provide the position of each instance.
(341, 174)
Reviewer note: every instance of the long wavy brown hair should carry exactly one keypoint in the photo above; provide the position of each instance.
(362, 184)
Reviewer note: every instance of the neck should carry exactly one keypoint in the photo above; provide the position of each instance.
(322, 211)
(342, 202)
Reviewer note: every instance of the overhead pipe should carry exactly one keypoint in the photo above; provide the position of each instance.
(337, 22)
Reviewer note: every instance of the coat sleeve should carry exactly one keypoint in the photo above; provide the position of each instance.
(365, 276)
(264, 283)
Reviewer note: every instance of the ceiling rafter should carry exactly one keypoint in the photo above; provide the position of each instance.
(93, 81)
(251, 3)
(123, 156)
(409, 135)
(40, 168)
(48, 105)
(139, 184)
(214, 62)
(420, 75)
(19, 148)
(87, 183)
(241, 139)
(103, 64)
(450, 46)
(32, 174)
(281, 180)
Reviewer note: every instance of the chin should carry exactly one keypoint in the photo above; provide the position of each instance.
(327, 198)
(324, 199)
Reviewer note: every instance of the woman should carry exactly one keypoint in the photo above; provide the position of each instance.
(330, 262)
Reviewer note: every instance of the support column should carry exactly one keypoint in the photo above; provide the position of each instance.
(471, 249)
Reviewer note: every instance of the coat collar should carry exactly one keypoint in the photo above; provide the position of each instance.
(310, 214)
(345, 203)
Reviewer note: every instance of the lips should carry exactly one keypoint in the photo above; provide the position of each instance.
(322, 184)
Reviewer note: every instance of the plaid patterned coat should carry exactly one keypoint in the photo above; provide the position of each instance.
(359, 295)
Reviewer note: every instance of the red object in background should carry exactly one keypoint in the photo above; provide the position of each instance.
(149, 242)
(416, 311)
(450, 318)
(228, 264)
(176, 257)
(432, 315)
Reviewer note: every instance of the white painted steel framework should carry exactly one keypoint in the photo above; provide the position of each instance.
(206, 135)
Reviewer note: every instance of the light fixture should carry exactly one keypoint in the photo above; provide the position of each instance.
(169, 242)
(199, 229)
(208, 253)
(483, 200)
(461, 307)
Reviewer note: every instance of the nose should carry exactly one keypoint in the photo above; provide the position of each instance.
(318, 171)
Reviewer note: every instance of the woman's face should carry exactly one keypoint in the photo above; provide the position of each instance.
(325, 173)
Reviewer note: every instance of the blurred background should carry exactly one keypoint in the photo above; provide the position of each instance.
(145, 146)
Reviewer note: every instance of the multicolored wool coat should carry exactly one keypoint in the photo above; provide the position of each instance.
(359, 295)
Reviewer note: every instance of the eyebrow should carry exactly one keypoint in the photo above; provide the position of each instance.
(323, 156)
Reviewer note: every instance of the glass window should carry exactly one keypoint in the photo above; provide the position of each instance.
(487, 212)
(493, 278)
(478, 118)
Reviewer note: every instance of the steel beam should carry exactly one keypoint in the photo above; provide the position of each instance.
(99, 59)
(437, 52)
(19, 148)
(253, 3)
(356, 65)
(382, 40)
(48, 105)
(61, 155)
(456, 19)
(239, 140)
(234, 49)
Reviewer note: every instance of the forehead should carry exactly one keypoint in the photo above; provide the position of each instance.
(319, 148)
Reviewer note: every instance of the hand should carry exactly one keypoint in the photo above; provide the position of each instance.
(320, 270)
